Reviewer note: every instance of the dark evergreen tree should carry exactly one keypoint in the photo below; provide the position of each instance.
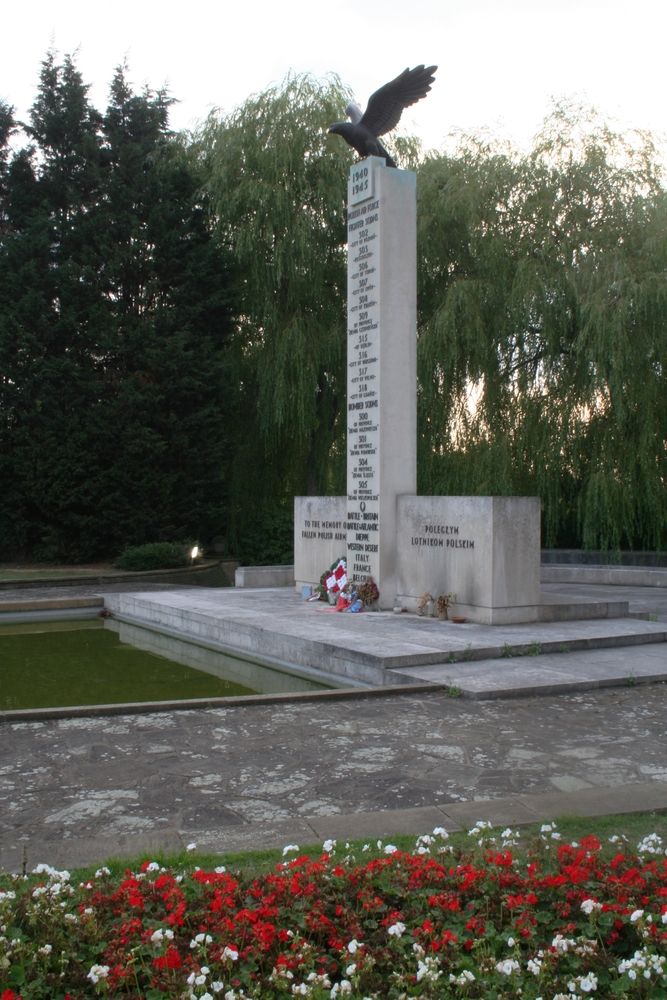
(114, 312)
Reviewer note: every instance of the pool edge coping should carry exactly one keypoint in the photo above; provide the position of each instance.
(199, 704)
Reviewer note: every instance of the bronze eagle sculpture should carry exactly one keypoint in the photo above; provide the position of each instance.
(384, 111)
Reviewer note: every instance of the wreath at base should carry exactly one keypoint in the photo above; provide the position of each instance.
(334, 579)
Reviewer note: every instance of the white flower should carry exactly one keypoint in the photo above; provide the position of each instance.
(651, 844)
(464, 979)
(555, 835)
(46, 949)
(350, 969)
(200, 980)
(231, 953)
(206, 996)
(396, 929)
(157, 936)
(217, 987)
(588, 905)
(561, 944)
(220, 871)
(507, 967)
(343, 987)
(441, 832)
(191, 847)
(153, 867)
(479, 826)
(546, 828)
(588, 983)
(390, 849)
(428, 969)
(636, 915)
(534, 966)
(511, 942)
(366, 847)
(98, 972)
(102, 871)
(328, 846)
(201, 939)
(353, 946)
(205, 971)
(290, 847)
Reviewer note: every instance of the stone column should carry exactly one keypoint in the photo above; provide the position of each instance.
(382, 366)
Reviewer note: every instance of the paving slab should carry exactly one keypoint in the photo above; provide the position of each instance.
(621, 799)
(74, 790)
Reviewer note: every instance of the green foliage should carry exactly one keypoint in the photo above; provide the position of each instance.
(154, 555)
(159, 382)
(543, 329)
(277, 185)
(115, 309)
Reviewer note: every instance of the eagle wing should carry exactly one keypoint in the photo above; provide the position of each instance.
(386, 105)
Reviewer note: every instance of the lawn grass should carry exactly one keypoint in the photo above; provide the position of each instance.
(250, 863)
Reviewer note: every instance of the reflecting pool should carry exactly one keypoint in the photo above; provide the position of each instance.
(102, 662)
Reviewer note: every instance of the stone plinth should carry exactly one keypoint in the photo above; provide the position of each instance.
(319, 536)
(485, 549)
(382, 366)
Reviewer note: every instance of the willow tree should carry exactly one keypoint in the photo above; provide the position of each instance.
(543, 328)
(277, 183)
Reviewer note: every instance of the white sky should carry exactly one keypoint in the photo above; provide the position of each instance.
(500, 60)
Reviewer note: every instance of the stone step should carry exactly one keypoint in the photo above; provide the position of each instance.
(554, 673)
(278, 629)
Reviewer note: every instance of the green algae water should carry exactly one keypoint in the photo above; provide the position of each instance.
(95, 662)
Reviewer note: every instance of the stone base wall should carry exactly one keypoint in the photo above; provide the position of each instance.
(320, 536)
(485, 549)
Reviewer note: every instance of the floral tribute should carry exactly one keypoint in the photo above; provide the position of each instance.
(558, 921)
(334, 580)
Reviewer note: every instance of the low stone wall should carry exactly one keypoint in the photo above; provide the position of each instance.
(264, 576)
(619, 576)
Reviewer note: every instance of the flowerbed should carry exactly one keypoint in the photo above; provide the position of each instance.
(553, 921)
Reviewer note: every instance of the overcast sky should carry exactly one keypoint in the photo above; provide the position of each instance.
(500, 60)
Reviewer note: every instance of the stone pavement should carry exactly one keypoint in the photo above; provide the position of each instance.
(245, 776)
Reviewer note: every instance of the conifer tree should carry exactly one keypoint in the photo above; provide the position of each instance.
(114, 310)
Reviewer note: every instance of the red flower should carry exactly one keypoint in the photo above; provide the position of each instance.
(172, 960)
(590, 843)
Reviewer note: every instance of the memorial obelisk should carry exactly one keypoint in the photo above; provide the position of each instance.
(381, 366)
(486, 550)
